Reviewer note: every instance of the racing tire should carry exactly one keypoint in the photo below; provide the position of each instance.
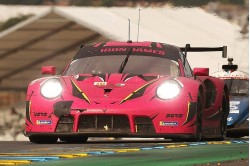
(73, 139)
(223, 120)
(237, 133)
(198, 132)
(43, 139)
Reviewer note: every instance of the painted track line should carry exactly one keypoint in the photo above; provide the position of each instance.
(26, 158)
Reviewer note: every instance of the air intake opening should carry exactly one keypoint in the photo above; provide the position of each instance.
(104, 123)
(65, 124)
(144, 125)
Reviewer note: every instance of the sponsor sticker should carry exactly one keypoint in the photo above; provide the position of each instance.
(100, 83)
(141, 50)
(162, 123)
(174, 115)
(234, 107)
(120, 84)
(40, 114)
(44, 122)
(229, 119)
(234, 111)
(235, 102)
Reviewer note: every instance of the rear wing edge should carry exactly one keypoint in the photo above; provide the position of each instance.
(188, 48)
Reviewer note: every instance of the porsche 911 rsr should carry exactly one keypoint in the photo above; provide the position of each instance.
(127, 89)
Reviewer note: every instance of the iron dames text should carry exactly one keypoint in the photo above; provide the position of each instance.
(142, 50)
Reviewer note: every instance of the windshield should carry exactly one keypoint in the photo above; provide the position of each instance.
(238, 87)
(136, 65)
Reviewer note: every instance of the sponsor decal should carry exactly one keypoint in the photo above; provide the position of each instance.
(234, 77)
(229, 119)
(43, 122)
(234, 103)
(40, 113)
(100, 83)
(106, 127)
(234, 107)
(234, 111)
(163, 123)
(174, 115)
(148, 50)
(142, 50)
(120, 84)
(114, 49)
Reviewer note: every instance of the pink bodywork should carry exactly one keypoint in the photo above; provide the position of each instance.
(113, 97)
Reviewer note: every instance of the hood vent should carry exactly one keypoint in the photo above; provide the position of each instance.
(143, 77)
(107, 91)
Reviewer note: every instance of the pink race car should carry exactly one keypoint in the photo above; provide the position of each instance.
(128, 89)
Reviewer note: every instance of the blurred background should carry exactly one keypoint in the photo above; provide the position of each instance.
(34, 33)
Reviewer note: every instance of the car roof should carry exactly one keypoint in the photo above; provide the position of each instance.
(122, 48)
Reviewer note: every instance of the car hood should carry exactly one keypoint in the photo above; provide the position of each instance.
(110, 87)
(239, 110)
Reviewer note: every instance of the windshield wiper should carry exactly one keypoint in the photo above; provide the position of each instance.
(125, 61)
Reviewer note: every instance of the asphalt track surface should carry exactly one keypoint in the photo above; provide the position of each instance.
(106, 152)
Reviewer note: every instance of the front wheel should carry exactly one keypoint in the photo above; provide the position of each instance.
(198, 134)
(223, 120)
(198, 124)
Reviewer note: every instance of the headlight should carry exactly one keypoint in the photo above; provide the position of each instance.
(51, 88)
(168, 89)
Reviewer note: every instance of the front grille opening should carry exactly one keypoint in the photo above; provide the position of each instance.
(144, 125)
(65, 124)
(104, 123)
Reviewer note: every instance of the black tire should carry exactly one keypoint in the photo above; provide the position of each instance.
(223, 120)
(73, 139)
(181, 139)
(237, 133)
(43, 139)
(198, 135)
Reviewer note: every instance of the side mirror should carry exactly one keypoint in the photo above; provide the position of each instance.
(49, 70)
(201, 72)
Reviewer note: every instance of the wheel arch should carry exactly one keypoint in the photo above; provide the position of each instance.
(201, 91)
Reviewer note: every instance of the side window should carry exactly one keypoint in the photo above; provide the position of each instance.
(187, 69)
